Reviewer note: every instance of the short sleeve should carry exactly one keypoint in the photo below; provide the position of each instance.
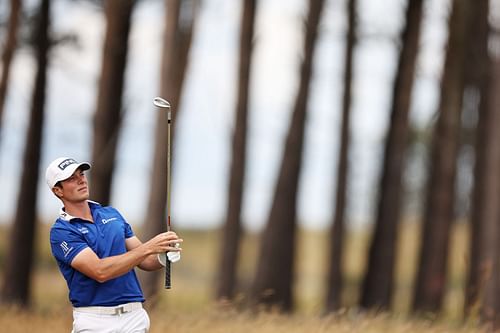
(66, 244)
(127, 229)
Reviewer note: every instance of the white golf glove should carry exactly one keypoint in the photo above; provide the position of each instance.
(172, 256)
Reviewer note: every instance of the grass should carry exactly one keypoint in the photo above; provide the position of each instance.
(189, 306)
(217, 320)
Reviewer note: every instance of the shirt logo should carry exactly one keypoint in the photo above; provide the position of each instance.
(104, 221)
(65, 248)
(83, 230)
(66, 163)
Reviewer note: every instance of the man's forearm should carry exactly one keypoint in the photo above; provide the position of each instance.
(150, 263)
(112, 267)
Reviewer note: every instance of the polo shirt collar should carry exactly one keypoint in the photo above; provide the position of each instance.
(67, 217)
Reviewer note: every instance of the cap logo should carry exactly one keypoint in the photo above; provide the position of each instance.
(64, 164)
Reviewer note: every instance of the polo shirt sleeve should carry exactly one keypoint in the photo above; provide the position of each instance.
(66, 244)
(127, 229)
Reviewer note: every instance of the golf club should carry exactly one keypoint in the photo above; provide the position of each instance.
(162, 103)
(171, 256)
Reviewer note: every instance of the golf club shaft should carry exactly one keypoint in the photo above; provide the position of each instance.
(168, 282)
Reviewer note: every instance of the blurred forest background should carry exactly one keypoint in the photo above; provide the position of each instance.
(426, 248)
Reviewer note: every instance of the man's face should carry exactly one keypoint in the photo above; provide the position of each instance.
(73, 189)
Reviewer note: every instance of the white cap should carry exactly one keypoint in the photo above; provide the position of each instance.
(62, 168)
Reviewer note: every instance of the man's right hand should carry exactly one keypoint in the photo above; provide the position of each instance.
(164, 242)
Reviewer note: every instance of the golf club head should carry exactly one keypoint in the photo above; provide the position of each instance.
(161, 103)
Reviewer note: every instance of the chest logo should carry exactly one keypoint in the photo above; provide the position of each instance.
(105, 221)
(83, 230)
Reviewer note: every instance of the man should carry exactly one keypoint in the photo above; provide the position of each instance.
(96, 251)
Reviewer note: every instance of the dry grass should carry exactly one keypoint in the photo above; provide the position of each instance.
(189, 306)
(222, 321)
(212, 321)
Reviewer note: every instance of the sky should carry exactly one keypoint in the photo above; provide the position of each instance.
(201, 155)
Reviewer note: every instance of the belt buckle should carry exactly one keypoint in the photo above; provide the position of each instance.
(119, 310)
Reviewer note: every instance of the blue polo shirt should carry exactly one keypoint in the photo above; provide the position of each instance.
(106, 237)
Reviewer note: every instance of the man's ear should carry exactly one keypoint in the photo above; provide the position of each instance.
(57, 191)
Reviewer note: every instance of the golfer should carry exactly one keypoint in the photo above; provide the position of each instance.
(97, 251)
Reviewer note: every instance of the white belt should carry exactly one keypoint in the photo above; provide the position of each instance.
(110, 310)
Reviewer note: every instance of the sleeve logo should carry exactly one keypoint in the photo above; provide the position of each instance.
(65, 248)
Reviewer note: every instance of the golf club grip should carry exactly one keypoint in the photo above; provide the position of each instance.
(168, 264)
(168, 282)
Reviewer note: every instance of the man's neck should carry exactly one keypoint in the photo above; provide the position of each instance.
(79, 209)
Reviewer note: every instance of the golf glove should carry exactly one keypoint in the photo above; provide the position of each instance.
(172, 256)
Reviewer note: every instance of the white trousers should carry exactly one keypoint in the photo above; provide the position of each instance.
(136, 321)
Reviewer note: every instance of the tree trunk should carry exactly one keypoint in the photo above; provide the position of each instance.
(484, 273)
(8, 52)
(488, 273)
(379, 280)
(20, 257)
(107, 119)
(231, 238)
(334, 282)
(176, 45)
(431, 278)
(274, 279)
(483, 211)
